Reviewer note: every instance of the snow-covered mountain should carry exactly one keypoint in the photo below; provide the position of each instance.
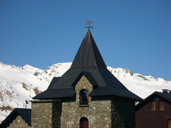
(18, 84)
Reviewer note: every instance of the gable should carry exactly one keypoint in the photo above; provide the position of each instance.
(88, 76)
(83, 83)
(25, 115)
(156, 95)
(18, 123)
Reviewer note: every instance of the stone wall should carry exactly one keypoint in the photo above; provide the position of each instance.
(98, 112)
(101, 112)
(18, 123)
(123, 113)
(46, 114)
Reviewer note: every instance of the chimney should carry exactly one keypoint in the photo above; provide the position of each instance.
(166, 91)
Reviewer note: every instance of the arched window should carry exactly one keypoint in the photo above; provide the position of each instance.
(84, 122)
(84, 97)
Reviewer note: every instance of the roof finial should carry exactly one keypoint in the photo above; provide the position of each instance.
(88, 23)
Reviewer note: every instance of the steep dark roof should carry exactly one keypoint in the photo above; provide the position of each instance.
(104, 82)
(53, 81)
(166, 96)
(24, 113)
(87, 62)
(88, 54)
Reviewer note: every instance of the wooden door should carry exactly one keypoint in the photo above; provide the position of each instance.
(83, 122)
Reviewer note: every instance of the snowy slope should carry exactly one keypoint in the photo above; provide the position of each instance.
(141, 85)
(18, 84)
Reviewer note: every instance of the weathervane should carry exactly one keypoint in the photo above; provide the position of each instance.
(88, 23)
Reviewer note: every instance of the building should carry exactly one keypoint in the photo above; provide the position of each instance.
(18, 118)
(86, 96)
(154, 111)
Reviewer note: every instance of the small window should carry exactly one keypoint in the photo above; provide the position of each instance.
(84, 97)
(153, 105)
(84, 122)
(161, 103)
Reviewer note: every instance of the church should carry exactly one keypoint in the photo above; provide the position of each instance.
(85, 96)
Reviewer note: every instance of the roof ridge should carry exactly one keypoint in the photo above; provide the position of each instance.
(88, 55)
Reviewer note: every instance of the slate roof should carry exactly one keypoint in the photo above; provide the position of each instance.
(88, 55)
(88, 62)
(24, 113)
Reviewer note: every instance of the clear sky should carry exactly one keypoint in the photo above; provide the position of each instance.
(131, 34)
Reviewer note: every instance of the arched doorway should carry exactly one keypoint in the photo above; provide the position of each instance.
(83, 122)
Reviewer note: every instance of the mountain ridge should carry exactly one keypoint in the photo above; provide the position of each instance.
(18, 84)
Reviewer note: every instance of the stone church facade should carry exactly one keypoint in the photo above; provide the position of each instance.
(86, 96)
(104, 112)
(91, 96)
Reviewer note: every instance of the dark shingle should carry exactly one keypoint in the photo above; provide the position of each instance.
(53, 81)
(105, 82)
(88, 62)
(56, 94)
(88, 54)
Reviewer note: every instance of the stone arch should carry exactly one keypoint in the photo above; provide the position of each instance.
(84, 122)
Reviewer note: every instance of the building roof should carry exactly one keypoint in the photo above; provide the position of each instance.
(88, 55)
(24, 113)
(87, 62)
(164, 95)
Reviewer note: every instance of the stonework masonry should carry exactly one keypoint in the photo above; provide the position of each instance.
(98, 113)
(101, 112)
(45, 114)
(18, 123)
(123, 113)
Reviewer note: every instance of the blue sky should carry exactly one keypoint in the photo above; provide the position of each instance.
(134, 34)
